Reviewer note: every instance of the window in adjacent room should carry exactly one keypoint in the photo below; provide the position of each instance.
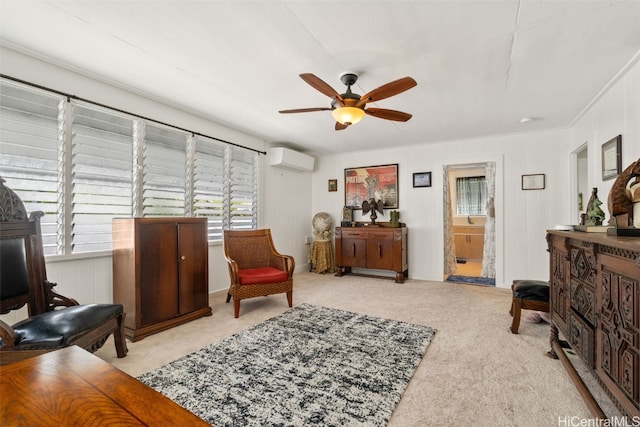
(471, 196)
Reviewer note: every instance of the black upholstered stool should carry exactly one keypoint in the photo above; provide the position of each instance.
(528, 295)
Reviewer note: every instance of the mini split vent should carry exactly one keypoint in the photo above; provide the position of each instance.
(289, 159)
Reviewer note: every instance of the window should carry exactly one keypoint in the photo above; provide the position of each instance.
(243, 194)
(164, 172)
(471, 196)
(102, 176)
(84, 165)
(29, 147)
(209, 188)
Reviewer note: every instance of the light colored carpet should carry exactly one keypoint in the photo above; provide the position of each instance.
(311, 365)
(475, 372)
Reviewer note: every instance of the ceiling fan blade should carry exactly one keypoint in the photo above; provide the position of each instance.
(385, 91)
(340, 126)
(320, 85)
(383, 113)
(304, 110)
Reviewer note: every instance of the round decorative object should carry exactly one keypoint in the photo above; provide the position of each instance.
(322, 224)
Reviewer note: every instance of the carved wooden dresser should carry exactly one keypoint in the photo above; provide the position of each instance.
(595, 303)
(379, 247)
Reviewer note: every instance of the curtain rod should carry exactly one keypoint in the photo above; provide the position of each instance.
(77, 98)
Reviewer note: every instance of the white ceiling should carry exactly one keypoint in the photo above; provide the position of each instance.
(480, 65)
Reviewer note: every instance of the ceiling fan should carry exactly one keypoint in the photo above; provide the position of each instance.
(349, 108)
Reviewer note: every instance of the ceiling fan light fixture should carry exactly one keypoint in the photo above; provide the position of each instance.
(348, 115)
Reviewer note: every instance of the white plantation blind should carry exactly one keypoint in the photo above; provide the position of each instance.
(243, 189)
(209, 184)
(164, 172)
(84, 165)
(29, 153)
(102, 176)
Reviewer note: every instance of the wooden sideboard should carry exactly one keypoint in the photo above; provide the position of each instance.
(372, 247)
(160, 272)
(595, 303)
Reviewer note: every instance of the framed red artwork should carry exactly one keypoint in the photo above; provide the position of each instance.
(365, 183)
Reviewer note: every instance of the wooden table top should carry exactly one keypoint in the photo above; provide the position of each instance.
(72, 387)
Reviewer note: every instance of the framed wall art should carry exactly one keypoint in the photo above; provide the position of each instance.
(365, 183)
(333, 185)
(533, 181)
(422, 179)
(612, 158)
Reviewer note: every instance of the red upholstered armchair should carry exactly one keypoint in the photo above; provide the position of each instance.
(255, 266)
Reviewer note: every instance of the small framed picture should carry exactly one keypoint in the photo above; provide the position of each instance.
(333, 185)
(347, 214)
(533, 181)
(612, 158)
(422, 179)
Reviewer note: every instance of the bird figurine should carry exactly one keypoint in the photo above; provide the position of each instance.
(373, 206)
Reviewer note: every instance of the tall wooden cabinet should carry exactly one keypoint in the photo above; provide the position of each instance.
(160, 272)
(595, 303)
(380, 248)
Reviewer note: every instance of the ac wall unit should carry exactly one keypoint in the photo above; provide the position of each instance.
(289, 159)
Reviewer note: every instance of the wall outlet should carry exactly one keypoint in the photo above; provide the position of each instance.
(307, 240)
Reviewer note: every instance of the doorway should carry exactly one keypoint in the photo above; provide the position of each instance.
(469, 223)
(581, 184)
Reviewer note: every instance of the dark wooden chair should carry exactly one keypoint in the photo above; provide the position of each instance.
(255, 266)
(528, 295)
(54, 321)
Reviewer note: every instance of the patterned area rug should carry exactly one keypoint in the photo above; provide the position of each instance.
(308, 366)
(486, 281)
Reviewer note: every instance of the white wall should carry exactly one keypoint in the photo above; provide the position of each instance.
(616, 113)
(522, 217)
(287, 211)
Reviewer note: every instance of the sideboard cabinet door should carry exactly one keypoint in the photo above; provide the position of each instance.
(618, 332)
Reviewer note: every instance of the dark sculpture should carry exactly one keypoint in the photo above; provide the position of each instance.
(620, 203)
(373, 206)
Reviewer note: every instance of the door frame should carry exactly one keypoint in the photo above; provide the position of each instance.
(499, 213)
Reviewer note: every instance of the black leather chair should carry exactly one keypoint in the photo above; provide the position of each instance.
(54, 321)
(528, 295)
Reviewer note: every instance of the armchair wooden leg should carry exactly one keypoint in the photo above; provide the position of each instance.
(290, 298)
(119, 338)
(228, 296)
(236, 308)
(516, 308)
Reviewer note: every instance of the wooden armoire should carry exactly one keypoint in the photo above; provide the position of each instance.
(160, 272)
